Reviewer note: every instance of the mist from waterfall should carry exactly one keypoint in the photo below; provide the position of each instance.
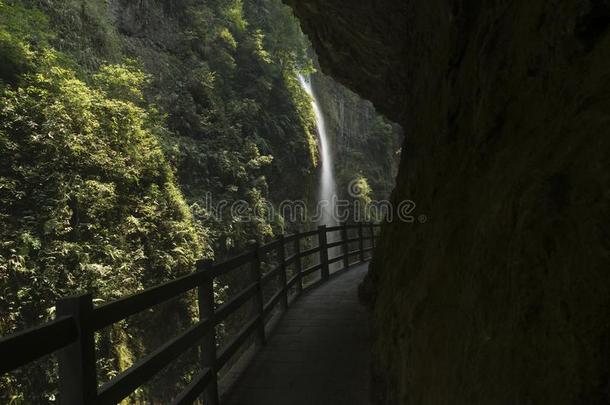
(328, 189)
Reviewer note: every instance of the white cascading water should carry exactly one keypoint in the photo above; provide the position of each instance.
(328, 189)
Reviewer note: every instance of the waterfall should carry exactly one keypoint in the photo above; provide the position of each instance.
(328, 189)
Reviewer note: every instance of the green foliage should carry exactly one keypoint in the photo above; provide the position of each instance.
(83, 29)
(283, 37)
(25, 24)
(124, 82)
(16, 57)
(88, 201)
(113, 133)
(241, 117)
(20, 30)
(363, 199)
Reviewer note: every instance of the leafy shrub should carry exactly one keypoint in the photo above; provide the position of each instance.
(88, 201)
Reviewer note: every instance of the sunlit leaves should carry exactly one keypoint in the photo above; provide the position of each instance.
(88, 172)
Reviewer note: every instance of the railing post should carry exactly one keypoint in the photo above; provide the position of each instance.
(283, 281)
(258, 298)
(372, 236)
(205, 299)
(345, 246)
(360, 242)
(299, 262)
(77, 373)
(323, 252)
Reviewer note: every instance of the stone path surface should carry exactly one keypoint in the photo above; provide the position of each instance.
(317, 355)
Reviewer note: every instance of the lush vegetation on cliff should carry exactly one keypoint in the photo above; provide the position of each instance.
(122, 126)
(105, 164)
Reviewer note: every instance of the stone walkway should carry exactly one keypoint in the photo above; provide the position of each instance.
(317, 355)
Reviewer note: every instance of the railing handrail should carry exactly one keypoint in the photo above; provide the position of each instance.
(72, 332)
(39, 340)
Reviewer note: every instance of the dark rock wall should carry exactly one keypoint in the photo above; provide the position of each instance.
(503, 295)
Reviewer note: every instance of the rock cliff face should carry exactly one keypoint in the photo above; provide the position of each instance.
(364, 143)
(503, 295)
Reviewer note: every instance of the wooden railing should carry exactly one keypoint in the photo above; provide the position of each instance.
(71, 334)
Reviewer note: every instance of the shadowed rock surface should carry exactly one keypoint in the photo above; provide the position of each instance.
(319, 353)
(503, 295)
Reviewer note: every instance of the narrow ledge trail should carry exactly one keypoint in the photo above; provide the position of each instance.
(318, 354)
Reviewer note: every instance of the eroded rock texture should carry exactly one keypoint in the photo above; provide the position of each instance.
(503, 295)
